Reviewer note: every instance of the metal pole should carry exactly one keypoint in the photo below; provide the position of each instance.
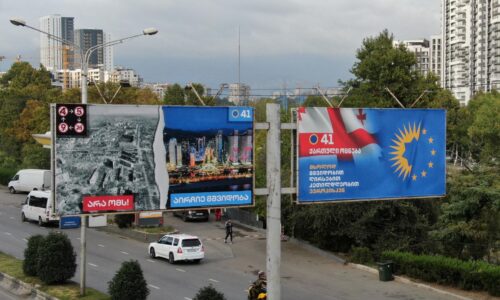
(83, 245)
(273, 170)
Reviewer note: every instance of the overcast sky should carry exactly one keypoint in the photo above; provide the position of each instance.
(294, 42)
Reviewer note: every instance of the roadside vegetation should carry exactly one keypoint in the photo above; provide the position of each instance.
(464, 225)
(67, 291)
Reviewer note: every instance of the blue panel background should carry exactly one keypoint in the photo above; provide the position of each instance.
(376, 173)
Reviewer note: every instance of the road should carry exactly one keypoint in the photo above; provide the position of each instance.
(230, 268)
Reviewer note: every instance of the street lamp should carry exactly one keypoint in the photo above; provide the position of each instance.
(84, 57)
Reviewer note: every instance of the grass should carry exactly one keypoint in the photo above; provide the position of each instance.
(14, 267)
(163, 230)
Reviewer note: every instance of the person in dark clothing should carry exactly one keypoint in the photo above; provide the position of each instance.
(229, 231)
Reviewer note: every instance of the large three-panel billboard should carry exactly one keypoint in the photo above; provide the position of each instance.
(111, 158)
(347, 154)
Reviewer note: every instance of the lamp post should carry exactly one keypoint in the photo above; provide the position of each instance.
(84, 57)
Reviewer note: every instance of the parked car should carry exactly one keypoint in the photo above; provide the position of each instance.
(30, 180)
(197, 214)
(38, 207)
(177, 247)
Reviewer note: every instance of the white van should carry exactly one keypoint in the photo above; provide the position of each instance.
(30, 180)
(38, 207)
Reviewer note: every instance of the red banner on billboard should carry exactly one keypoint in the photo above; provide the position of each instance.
(108, 203)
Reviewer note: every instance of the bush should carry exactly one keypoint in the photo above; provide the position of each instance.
(31, 255)
(361, 255)
(6, 175)
(209, 293)
(469, 275)
(56, 259)
(124, 221)
(128, 283)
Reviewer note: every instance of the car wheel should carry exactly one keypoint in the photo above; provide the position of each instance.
(152, 252)
(35, 189)
(40, 222)
(171, 258)
(197, 261)
(23, 217)
(12, 190)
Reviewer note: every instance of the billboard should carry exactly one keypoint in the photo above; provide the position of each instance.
(363, 153)
(141, 158)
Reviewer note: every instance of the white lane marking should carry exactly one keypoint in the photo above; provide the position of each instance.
(12, 218)
(25, 240)
(150, 260)
(124, 252)
(8, 233)
(213, 280)
(100, 245)
(154, 286)
(93, 265)
(181, 270)
(77, 238)
(186, 298)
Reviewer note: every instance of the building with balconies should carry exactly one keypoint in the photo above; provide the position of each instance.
(470, 47)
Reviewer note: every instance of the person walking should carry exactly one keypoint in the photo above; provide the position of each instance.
(229, 231)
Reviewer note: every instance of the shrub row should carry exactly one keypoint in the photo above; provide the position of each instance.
(6, 175)
(468, 275)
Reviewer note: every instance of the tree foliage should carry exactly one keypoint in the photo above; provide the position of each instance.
(209, 293)
(31, 255)
(56, 259)
(128, 283)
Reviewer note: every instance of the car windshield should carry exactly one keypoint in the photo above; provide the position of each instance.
(191, 243)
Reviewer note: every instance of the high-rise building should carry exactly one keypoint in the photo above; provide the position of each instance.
(239, 93)
(422, 53)
(87, 38)
(52, 51)
(471, 48)
(435, 55)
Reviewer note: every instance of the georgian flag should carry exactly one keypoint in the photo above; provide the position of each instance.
(340, 132)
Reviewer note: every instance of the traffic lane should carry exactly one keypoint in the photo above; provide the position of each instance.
(6, 295)
(295, 285)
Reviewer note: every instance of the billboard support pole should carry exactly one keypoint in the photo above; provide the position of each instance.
(273, 170)
(83, 245)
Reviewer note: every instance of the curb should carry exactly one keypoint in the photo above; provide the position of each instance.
(408, 281)
(21, 288)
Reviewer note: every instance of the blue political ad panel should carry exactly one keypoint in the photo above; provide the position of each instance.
(365, 153)
(209, 153)
(233, 198)
(150, 152)
(69, 222)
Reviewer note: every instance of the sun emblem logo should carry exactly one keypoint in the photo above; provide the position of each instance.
(401, 146)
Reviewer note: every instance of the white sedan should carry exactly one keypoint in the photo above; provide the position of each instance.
(176, 247)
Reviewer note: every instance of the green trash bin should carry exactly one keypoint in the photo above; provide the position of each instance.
(385, 270)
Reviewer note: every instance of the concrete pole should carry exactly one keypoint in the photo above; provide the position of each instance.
(83, 263)
(273, 170)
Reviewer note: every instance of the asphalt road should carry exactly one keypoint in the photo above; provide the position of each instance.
(229, 268)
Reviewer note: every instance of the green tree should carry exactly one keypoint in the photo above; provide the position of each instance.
(174, 95)
(380, 66)
(31, 255)
(128, 283)
(484, 130)
(56, 259)
(209, 293)
(469, 226)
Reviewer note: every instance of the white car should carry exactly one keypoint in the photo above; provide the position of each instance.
(38, 207)
(177, 247)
